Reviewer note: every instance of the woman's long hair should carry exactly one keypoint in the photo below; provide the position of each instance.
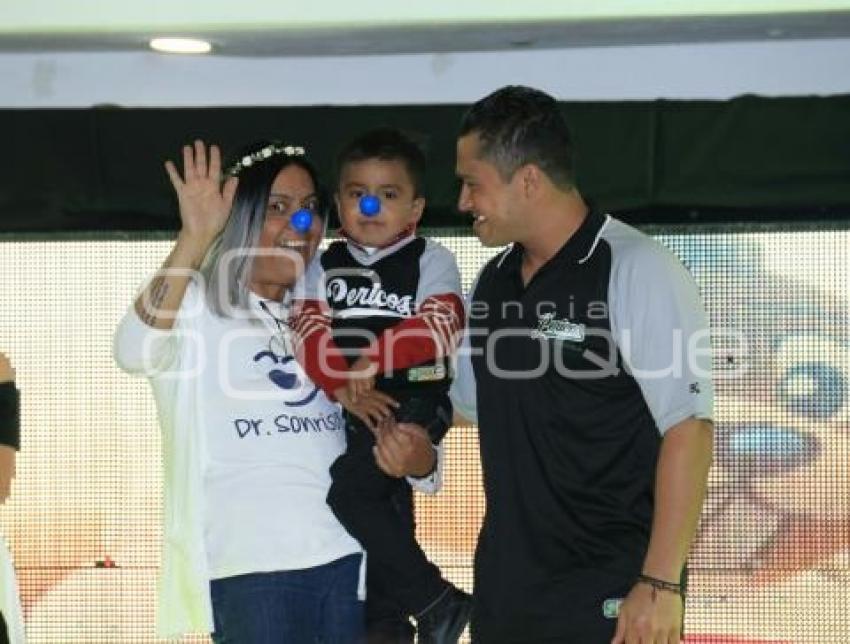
(241, 234)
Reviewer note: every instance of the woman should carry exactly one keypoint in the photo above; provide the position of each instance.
(251, 550)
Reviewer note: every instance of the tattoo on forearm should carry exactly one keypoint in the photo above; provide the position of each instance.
(157, 292)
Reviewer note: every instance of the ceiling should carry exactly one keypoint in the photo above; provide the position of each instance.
(472, 26)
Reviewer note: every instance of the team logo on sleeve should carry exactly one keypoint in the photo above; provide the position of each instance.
(550, 327)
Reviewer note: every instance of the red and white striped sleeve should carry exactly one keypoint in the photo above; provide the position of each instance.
(434, 331)
(312, 338)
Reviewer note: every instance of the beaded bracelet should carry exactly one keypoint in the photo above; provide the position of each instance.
(660, 584)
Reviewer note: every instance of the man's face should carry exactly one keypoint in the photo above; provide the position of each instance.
(388, 180)
(492, 201)
(284, 251)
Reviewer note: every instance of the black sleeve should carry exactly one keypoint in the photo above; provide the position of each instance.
(10, 415)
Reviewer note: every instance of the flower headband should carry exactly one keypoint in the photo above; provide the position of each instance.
(272, 149)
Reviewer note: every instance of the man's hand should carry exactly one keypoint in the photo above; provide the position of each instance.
(372, 408)
(404, 449)
(7, 373)
(361, 378)
(649, 616)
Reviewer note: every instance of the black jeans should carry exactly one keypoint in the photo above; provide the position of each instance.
(361, 496)
(386, 622)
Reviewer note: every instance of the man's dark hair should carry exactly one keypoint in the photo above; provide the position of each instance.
(517, 125)
(386, 144)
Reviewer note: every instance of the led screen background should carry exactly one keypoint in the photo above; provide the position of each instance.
(771, 562)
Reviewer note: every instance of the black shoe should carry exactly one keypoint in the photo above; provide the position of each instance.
(444, 622)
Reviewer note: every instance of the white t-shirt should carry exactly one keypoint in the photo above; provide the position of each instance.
(285, 523)
(271, 438)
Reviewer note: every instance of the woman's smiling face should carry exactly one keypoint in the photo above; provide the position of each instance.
(283, 252)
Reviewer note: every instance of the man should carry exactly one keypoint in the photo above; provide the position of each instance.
(587, 366)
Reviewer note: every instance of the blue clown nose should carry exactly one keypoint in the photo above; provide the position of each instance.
(370, 205)
(301, 220)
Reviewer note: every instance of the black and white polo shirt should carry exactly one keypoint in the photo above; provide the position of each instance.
(573, 380)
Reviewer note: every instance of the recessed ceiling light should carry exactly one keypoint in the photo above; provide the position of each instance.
(180, 45)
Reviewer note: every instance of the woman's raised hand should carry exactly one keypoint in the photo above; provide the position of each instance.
(204, 201)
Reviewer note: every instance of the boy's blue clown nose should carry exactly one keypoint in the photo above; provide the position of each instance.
(370, 205)
(301, 220)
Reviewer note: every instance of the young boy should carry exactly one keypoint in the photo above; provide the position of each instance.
(387, 315)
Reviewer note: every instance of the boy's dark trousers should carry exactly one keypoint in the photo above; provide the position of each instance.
(386, 622)
(361, 496)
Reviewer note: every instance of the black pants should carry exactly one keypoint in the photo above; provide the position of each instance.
(386, 622)
(361, 496)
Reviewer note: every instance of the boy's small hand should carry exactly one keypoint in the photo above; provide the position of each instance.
(372, 408)
(361, 378)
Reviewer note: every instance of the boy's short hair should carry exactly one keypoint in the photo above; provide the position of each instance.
(518, 125)
(386, 144)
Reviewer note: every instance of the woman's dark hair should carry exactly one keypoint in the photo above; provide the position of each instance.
(243, 228)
